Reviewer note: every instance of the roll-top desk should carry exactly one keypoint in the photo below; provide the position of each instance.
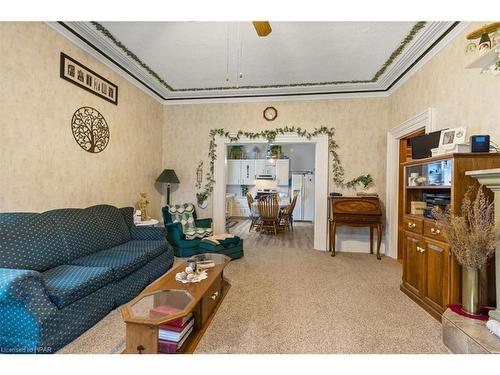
(355, 212)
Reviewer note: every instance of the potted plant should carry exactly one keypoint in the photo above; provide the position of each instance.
(365, 181)
(275, 151)
(471, 236)
(236, 152)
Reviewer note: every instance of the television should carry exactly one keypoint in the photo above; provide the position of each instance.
(422, 145)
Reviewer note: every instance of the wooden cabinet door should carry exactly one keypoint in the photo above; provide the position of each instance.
(233, 172)
(413, 262)
(436, 271)
(282, 168)
(247, 172)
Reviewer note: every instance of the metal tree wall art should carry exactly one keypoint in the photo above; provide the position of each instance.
(90, 129)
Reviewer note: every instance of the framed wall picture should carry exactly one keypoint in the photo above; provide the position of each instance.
(451, 137)
(78, 74)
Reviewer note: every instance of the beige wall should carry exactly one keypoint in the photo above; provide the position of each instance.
(42, 167)
(460, 97)
(361, 126)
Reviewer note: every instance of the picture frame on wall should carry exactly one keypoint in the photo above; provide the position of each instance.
(451, 137)
(78, 74)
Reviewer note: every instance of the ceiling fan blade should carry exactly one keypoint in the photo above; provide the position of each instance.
(263, 28)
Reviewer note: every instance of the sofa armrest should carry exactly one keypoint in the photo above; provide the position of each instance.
(203, 223)
(174, 233)
(28, 288)
(148, 233)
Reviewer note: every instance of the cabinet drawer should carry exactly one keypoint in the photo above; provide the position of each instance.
(414, 225)
(210, 299)
(431, 230)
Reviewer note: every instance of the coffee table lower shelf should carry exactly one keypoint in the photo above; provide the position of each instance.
(142, 338)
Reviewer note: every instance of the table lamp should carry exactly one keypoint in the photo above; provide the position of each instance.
(168, 176)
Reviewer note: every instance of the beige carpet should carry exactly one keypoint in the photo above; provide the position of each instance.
(302, 301)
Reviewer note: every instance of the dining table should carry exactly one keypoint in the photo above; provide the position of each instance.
(255, 208)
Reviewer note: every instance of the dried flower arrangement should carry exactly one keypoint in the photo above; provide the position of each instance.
(471, 235)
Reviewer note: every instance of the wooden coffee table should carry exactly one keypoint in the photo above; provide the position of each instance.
(202, 299)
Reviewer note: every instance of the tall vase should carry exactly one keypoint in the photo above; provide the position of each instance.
(470, 290)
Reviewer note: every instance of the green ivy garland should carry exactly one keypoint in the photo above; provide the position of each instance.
(270, 135)
(409, 37)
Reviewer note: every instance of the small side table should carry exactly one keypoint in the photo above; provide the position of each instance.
(355, 212)
(146, 223)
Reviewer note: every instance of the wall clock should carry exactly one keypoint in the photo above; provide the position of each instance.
(270, 113)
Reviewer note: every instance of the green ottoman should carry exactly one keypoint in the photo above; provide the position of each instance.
(231, 247)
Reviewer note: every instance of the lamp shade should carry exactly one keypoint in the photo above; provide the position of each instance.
(168, 176)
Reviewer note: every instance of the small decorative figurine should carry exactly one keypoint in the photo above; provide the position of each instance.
(143, 206)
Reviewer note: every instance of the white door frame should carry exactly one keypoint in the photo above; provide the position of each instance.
(320, 184)
(423, 120)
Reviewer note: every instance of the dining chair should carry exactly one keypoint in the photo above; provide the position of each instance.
(269, 214)
(286, 219)
(254, 217)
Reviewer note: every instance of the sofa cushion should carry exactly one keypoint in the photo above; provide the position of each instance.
(67, 283)
(81, 230)
(30, 241)
(88, 230)
(150, 248)
(121, 260)
(113, 223)
(128, 216)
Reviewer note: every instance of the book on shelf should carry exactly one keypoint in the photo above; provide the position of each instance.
(163, 311)
(174, 335)
(168, 326)
(166, 346)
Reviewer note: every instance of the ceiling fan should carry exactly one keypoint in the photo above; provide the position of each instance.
(263, 28)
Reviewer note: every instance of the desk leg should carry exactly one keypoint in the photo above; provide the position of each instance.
(329, 236)
(371, 239)
(333, 229)
(379, 239)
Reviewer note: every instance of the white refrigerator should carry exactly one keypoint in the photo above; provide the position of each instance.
(303, 184)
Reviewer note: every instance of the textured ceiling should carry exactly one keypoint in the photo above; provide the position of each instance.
(194, 54)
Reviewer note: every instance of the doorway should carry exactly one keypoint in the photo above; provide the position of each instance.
(320, 212)
(285, 172)
(422, 121)
(405, 155)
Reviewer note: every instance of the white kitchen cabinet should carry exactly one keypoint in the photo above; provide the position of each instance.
(233, 172)
(240, 172)
(247, 172)
(282, 171)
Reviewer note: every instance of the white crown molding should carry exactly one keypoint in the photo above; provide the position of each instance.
(458, 30)
(431, 32)
(425, 38)
(278, 98)
(98, 56)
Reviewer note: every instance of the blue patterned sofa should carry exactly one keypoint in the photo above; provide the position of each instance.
(62, 271)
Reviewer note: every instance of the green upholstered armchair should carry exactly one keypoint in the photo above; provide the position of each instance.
(184, 230)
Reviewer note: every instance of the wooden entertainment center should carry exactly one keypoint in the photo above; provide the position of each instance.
(431, 274)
